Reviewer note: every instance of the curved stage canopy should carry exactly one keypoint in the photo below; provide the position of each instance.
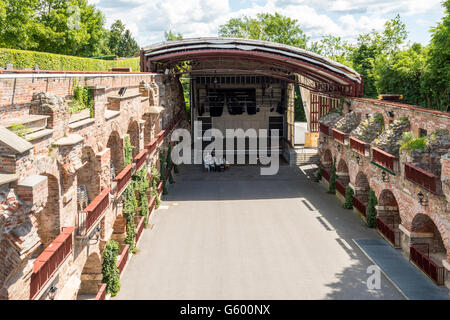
(232, 55)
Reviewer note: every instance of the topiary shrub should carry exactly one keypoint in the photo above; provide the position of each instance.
(333, 178)
(348, 198)
(110, 271)
(371, 212)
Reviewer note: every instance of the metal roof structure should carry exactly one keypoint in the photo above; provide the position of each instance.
(248, 56)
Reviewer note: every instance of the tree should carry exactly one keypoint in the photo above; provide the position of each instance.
(348, 198)
(127, 47)
(110, 272)
(266, 26)
(169, 35)
(370, 45)
(58, 26)
(438, 77)
(333, 48)
(115, 36)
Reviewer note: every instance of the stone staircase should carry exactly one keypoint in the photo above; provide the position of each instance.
(35, 126)
(302, 155)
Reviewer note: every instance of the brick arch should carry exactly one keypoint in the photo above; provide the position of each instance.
(423, 223)
(115, 144)
(327, 159)
(49, 219)
(343, 172)
(133, 131)
(89, 174)
(388, 208)
(91, 275)
(362, 187)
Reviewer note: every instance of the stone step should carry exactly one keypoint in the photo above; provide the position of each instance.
(33, 122)
(38, 134)
(83, 114)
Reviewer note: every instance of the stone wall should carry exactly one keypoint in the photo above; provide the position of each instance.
(403, 191)
(43, 200)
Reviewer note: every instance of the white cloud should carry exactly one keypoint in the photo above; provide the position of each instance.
(148, 19)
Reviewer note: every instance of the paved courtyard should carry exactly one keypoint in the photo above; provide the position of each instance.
(239, 235)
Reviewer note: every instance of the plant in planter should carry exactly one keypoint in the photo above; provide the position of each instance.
(318, 176)
(129, 208)
(333, 178)
(127, 151)
(348, 198)
(155, 180)
(371, 212)
(110, 271)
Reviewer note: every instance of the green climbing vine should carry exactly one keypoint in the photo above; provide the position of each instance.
(110, 271)
(333, 177)
(349, 198)
(82, 99)
(127, 151)
(130, 205)
(142, 186)
(371, 212)
(155, 180)
(318, 176)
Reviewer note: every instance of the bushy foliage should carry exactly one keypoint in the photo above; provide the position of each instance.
(371, 212)
(110, 271)
(22, 59)
(349, 198)
(127, 151)
(412, 144)
(82, 99)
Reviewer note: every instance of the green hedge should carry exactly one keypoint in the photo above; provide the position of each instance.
(22, 59)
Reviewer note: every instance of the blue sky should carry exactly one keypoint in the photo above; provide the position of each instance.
(148, 19)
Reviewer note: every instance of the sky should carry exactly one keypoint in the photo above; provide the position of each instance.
(148, 19)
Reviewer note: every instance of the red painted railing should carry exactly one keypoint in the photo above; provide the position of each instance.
(384, 159)
(422, 177)
(123, 177)
(151, 147)
(140, 159)
(389, 232)
(101, 294)
(325, 174)
(123, 258)
(423, 261)
(340, 187)
(139, 229)
(160, 136)
(324, 128)
(151, 205)
(160, 188)
(48, 262)
(89, 216)
(358, 145)
(359, 205)
(339, 135)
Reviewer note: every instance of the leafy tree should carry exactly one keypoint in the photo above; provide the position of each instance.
(270, 27)
(115, 36)
(170, 35)
(127, 47)
(438, 78)
(70, 27)
(333, 48)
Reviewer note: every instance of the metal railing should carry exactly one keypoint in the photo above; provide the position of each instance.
(358, 146)
(49, 261)
(89, 216)
(123, 258)
(423, 178)
(424, 262)
(359, 205)
(324, 128)
(339, 136)
(101, 294)
(151, 147)
(388, 231)
(123, 178)
(340, 187)
(140, 159)
(384, 159)
(325, 174)
(140, 229)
